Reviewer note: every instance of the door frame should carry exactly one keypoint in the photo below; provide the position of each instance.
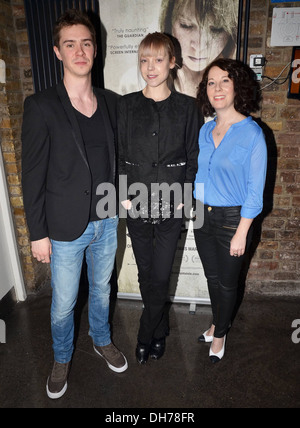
(12, 248)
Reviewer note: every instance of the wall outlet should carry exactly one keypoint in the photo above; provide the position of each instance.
(257, 63)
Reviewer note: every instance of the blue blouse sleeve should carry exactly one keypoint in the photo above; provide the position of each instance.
(253, 203)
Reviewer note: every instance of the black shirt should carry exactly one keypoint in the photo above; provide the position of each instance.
(94, 137)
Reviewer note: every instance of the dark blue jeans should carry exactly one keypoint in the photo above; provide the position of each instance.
(221, 269)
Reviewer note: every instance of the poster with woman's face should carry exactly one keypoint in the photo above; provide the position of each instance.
(202, 30)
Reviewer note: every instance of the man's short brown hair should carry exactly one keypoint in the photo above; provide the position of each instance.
(69, 18)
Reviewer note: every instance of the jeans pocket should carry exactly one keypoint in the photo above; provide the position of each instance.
(229, 227)
(232, 217)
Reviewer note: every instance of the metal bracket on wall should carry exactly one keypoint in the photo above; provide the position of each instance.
(244, 16)
(2, 71)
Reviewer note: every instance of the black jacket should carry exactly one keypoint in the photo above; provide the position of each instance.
(158, 144)
(56, 177)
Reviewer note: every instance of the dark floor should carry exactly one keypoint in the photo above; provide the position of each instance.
(261, 367)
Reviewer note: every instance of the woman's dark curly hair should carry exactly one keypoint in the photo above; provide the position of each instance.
(247, 89)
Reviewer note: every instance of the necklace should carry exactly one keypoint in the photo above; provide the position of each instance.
(224, 128)
(218, 133)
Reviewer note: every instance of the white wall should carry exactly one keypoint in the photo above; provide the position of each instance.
(10, 269)
(6, 274)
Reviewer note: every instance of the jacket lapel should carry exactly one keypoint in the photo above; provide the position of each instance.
(108, 129)
(65, 100)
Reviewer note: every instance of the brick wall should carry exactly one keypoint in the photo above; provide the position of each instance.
(275, 265)
(14, 51)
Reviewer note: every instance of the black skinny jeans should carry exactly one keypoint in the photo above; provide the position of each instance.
(222, 270)
(154, 247)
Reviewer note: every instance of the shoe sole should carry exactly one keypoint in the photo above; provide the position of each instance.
(55, 396)
(113, 368)
(203, 339)
(141, 363)
(154, 357)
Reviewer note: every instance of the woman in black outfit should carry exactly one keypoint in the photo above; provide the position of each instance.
(158, 143)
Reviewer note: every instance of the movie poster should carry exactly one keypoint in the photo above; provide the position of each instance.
(124, 24)
(202, 30)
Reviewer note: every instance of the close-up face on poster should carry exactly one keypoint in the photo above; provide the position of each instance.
(201, 30)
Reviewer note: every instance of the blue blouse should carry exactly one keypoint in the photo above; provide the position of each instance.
(234, 173)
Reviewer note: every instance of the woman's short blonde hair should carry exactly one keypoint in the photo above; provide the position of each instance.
(155, 42)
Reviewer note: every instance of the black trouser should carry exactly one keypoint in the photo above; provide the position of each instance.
(221, 269)
(154, 247)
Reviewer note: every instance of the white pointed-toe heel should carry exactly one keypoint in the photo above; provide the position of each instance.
(205, 338)
(215, 358)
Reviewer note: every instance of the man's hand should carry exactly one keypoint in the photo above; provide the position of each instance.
(41, 250)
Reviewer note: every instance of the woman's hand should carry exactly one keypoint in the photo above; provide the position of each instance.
(126, 204)
(238, 245)
(238, 242)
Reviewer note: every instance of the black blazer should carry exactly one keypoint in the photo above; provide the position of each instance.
(56, 176)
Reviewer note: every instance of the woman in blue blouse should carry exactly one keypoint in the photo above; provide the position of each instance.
(232, 166)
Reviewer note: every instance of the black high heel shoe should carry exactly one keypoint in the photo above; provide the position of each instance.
(142, 353)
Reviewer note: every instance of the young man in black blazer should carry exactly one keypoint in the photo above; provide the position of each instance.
(68, 150)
